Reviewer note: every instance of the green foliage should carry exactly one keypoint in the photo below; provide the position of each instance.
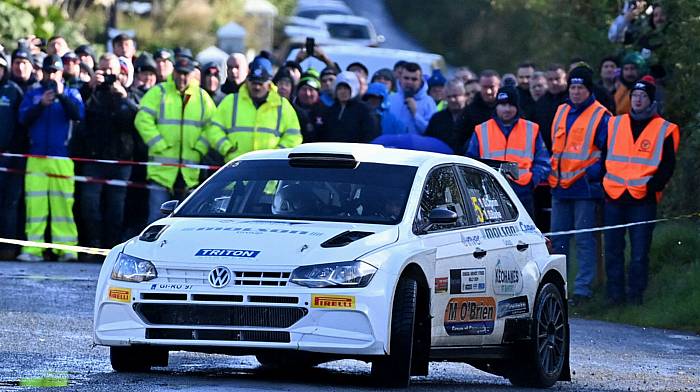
(19, 20)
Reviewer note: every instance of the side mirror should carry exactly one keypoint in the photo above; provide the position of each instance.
(168, 207)
(442, 216)
(381, 39)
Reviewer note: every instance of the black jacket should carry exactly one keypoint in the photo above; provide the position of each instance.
(477, 112)
(527, 103)
(450, 130)
(545, 109)
(230, 87)
(310, 120)
(350, 123)
(107, 132)
(13, 136)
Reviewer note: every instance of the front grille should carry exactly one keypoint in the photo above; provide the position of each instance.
(164, 296)
(234, 315)
(218, 334)
(192, 275)
(273, 299)
(217, 297)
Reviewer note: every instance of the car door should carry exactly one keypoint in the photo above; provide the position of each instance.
(456, 271)
(504, 254)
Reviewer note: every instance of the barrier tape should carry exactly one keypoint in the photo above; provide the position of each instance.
(112, 161)
(46, 245)
(621, 226)
(85, 179)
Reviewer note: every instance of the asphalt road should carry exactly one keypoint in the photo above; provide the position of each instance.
(46, 313)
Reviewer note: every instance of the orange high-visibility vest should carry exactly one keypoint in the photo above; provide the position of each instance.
(630, 164)
(575, 151)
(519, 147)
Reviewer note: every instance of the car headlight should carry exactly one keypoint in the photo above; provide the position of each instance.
(132, 269)
(346, 274)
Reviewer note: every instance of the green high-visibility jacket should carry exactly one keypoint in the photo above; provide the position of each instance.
(173, 126)
(238, 127)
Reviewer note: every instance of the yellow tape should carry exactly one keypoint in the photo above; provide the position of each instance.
(46, 245)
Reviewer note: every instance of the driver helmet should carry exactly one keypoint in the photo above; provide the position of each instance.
(292, 199)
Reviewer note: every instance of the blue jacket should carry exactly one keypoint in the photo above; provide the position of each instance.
(589, 186)
(425, 108)
(50, 126)
(540, 164)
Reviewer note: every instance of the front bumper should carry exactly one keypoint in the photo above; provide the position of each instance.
(332, 321)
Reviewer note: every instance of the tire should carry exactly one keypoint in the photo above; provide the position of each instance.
(394, 370)
(134, 359)
(541, 361)
(288, 361)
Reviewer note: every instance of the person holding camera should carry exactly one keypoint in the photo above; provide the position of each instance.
(47, 110)
(105, 134)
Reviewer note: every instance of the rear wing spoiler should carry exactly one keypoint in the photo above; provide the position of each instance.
(508, 169)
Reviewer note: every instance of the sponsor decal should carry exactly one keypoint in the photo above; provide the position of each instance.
(228, 253)
(500, 232)
(470, 240)
(527, 228)
(171, 286)
(441, 285)
(507, 278)
(645, 146)
(253, 230)
(468, 281)
(513, 306)
(119, 294)
(470, 316)
(332, 301)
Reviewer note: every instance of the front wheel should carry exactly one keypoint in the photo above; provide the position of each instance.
(545, 355)
(394, 370)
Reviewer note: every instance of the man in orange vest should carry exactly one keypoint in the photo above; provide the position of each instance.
(507, 137)
(579, 132)
(640, 161)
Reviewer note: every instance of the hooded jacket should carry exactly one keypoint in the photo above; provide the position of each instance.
(425, 108)
(12, 134)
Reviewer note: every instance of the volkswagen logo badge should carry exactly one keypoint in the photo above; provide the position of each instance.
(219, 277)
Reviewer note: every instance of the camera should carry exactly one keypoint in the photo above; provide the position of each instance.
(110, 79)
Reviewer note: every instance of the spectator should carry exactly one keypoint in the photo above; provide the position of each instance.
(284, 80)
(376, 98)
(126, 71)
(236, 73)
(608, 75)
(547, 105)
(362, 74)
(472, 88)
(328, 76)
(348, 120)
(38, 62)
(255, 118)
(632, 189)
(12, 139)
(146, 73)
(482, 106)
(399, 66)
(47, 110)
(86, 55)
(71, 75)
(22, 69)
(211, 82)
(579, 133)
(436, 89)
(294, 69)
(507, 137)
(411, 104)
(57, 45)
(538, 86)
(124, 46)
(524, 74)
(106, 134)
(644, 33)
(465, 74)
(171, 122)
(601, 94)
(164, 64)
(633, 67)
(448, 125)
(509, 80)
(385, 76)
(308, 107)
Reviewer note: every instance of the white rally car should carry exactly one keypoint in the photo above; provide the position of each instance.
(330, 251)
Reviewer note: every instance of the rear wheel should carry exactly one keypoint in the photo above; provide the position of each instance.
(134, 359)
(394, 370)
(540, 362)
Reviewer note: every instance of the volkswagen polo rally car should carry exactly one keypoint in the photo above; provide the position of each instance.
(330, 251)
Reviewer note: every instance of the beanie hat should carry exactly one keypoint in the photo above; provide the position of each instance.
(145, 62)
(329, 71)
(508, 95)
(350, 79)
(311, 72)
(3, 60)
(358, 65)
(52, 63)
(646, 84)
(260, 69)
(436, 79)
(21, 53)
(637, 60)
(582, 75)
(378, 89)
(310, 81)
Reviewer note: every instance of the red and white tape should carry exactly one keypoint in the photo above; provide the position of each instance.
(111, 161)
(85, 179)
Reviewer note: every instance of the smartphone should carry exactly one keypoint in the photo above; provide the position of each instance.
(310, 44)
(51, 85)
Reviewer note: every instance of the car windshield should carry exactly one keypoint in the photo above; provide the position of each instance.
(274, 189)
(315, 13)
(348, 31)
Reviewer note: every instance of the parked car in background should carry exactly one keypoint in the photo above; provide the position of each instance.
(312, 9)
(350, 29)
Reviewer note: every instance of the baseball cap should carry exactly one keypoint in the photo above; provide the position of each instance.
(162, 53)
(260, 70)
(69, 56)
(85, 50)
(184, 65)
(52, 63)
(21, 53)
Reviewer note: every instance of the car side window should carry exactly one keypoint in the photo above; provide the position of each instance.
(485, 197)
(441, 190)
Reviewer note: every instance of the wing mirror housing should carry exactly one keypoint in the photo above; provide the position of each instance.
(168, 207)
(442, 216)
